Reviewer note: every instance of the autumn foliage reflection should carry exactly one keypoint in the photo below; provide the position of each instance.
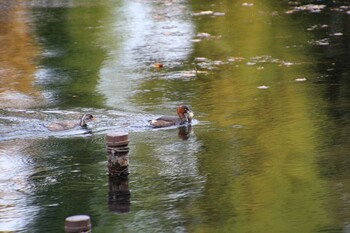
(18, 51)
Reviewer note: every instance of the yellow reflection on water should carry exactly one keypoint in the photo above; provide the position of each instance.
(277, 187)
(18, 51)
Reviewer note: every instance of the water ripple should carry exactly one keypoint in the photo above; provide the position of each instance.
(22, 124)
(15, 168)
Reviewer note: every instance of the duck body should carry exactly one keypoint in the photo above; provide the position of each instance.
(165, 121)
(60, 126)
(184, 115)
(66, 125)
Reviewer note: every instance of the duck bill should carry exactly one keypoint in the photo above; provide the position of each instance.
(189, 116)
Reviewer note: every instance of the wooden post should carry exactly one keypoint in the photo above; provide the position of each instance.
(118, 164)
(117, 149)
(78, 224)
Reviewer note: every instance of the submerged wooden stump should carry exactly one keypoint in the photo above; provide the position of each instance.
(78, 224)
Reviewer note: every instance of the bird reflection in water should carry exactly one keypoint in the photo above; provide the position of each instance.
(185, 132)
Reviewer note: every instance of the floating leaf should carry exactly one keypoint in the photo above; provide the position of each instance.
(337, 34)
(251, 63)
(263, 87)
(247, 4)
(203, 13)
(322, 42)
(234, 59)
(309, 7)
(201, 59)
(219, 14)
(203, 35)
(158, 65)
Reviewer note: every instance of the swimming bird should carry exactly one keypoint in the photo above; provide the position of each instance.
(184, 115)
(65, 125)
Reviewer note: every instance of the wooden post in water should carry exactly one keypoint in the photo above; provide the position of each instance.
(117, 149)
(78, 224)
(118, 163)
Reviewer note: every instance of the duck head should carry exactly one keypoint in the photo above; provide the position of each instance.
(185, 113)
(84, 119)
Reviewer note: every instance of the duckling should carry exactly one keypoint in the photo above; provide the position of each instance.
(66, 125)
(184, 113)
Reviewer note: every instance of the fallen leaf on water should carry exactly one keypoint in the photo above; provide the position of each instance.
(203, 35)
(219, 14)
(322, 42)
(189, 74)
(251, 63)
(203, 13)
(300, 79)
(210, 13)
(247, 4)
(233, 59)
(201, 59)
(158, 65)
(285, 63)
(337, 34)
(313, 8)
(263, 87)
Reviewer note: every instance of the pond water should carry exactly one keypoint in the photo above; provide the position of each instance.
(268, 82)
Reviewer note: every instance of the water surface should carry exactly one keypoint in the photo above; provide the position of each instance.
(268, 82)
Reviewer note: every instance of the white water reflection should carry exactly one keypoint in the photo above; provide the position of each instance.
(15, 213)
(145, 32)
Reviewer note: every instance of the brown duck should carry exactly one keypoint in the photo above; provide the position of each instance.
(66, 125)
(184, 115)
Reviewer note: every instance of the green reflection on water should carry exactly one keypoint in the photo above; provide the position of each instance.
(256, 162)
(67, 176)
(72, 56)
(263, 177)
